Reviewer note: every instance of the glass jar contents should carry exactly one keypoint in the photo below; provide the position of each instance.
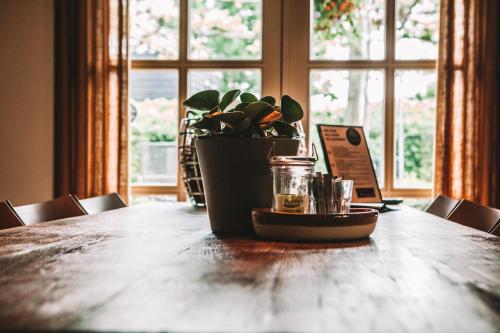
(291, 184)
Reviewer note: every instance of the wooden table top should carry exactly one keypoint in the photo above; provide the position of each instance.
(158, 267)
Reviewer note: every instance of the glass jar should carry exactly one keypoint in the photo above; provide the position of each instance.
(292, 180)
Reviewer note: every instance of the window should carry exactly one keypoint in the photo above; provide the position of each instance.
(361, 62)
(369, 63)
(178, 48)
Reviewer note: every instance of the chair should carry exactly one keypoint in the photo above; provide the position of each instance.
(496, 229)
(59, 208)
(8, 217)
(475, 216)
(442, 206)
(102, 203)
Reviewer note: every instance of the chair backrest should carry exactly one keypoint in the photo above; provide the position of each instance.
(102, 203)
(475, 216)
(59, 208)
(496, 229)
(442, 206)
(8, 217)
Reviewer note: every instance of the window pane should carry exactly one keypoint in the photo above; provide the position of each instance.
(417, 29)
(248, 80)
(350, 97)
(348, 29)
(418, 203)
(154, 109)
(415, 114)
(139, 199)
(155, 29)
(225, 29)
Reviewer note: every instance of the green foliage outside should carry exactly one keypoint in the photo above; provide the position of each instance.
(418, 133)
(234, 31)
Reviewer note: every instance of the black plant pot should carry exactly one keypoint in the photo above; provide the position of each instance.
(236, 178)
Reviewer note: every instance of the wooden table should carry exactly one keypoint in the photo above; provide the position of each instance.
(159, 268)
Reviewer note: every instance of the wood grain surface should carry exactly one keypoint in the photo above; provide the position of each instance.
(159, 268)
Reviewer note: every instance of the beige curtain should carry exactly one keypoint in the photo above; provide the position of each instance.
(91, 97)
(468, 101)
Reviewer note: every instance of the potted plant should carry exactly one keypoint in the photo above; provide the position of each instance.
(232, 146)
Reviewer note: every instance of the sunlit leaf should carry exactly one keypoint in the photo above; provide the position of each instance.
(204, 101)
(228, 98)
(273, 116)
(248, 98)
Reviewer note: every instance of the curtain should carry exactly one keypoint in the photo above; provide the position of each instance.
(91, 106)
(467, 152)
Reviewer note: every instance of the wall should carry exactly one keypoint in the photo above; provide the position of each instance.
(26, 100)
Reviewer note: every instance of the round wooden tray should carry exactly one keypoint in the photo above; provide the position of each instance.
(359, 223)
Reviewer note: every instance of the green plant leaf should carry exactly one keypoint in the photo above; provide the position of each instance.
(203, 101)
(231, 118)
(241, 106)
(228, 98)
(250, 118)
(257, 110)
(207, 123)
(248, 98)
(269, 100)
(291, 109)
(242, 127)
(283, 128)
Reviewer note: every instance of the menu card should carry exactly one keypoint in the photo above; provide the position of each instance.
(347, 155)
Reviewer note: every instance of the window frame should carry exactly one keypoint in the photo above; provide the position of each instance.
(286, 41)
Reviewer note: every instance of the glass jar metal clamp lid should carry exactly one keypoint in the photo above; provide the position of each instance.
(292, 182)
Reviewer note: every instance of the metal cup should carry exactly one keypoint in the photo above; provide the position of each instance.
(341, 196)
